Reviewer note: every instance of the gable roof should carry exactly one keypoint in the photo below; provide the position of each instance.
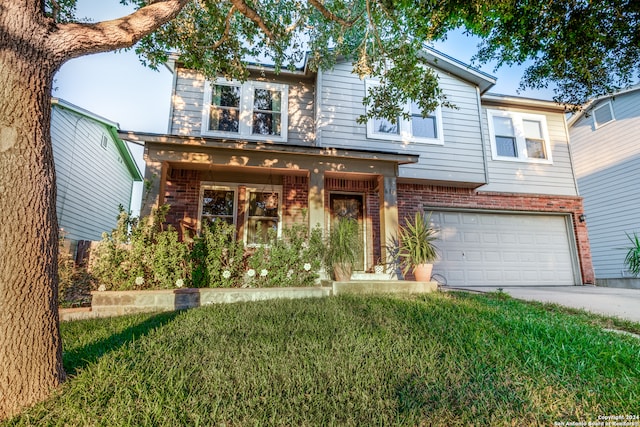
(112, 127)
(458, 68)
(595, 101)
(433, 57)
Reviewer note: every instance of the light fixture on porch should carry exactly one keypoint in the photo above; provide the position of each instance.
(270, 198)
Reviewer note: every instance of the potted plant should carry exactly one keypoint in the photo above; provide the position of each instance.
(343, 247)
(416, 250)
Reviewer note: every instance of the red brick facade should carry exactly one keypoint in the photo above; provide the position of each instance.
(414, 197)
(182, 190)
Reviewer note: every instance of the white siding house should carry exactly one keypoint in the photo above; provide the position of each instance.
(495, 170)
(95, 171)
(605, 142)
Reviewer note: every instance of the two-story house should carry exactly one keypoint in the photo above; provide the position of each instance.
(95, 171)
(604, 142)
(277, 149)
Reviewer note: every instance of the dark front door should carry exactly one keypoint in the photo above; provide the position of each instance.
(350, 206)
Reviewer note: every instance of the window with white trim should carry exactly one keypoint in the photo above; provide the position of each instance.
(519, 137)
(263, 215)
(218, 203)
(603, 114)
(263, 209)
(251, 110)
(417, 129)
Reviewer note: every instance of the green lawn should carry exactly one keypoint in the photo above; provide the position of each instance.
(440, 359)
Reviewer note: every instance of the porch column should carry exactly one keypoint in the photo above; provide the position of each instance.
(388, 193)
(155, 177)
(316, 198)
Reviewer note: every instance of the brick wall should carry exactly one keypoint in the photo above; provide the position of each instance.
(182, 191)
(414, 197)
(295, 199)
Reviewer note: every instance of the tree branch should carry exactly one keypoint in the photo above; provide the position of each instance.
(250, 13)
(75, 39)
(330, 15)
(227, 30)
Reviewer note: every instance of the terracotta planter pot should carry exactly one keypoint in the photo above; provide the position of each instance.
(342, 272)
(422, 272)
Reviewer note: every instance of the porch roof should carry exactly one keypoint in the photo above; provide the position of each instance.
(267, 147)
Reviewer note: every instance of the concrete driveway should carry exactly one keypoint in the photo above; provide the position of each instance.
(623, 303)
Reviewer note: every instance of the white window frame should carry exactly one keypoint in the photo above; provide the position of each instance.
(235, 187)
(217, 187)
(517, 119)
(406, 133)
(263, 189)
(608, 104)
(245, 125)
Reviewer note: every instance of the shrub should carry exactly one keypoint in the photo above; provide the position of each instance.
(217, 258)
(632, 260)
(293, 260)
(140, 254)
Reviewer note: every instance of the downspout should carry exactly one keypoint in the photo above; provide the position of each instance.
(318, 107)
(482, 139)
(573, 171)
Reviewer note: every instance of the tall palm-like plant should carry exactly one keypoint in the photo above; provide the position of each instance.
(416, 242)
(343, 247)
(632, 260)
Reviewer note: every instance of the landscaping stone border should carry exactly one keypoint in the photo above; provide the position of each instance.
(117, 303)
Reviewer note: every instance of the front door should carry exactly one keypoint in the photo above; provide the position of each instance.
(350, 206)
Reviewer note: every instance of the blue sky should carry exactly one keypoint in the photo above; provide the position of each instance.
(118, 87)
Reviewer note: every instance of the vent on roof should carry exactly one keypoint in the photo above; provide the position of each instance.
(104, 142)
(603, 114)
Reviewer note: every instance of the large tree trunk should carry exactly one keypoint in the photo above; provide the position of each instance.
(30, 347)
(32, 48)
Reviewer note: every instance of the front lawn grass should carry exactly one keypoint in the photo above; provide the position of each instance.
(438, 359)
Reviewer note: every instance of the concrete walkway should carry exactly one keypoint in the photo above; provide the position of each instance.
(623, 303)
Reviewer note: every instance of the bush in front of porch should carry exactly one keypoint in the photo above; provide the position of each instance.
(140, 253)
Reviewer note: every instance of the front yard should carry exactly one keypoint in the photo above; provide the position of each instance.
(437, 359)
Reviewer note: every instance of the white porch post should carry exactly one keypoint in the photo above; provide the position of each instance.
(316, 198)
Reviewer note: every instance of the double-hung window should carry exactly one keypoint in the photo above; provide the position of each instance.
(218, 204)
(250, 110)
(519, 137)
(261, 207)
(417, 129)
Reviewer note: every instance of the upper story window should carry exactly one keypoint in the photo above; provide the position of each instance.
(417, 129)
(603, 114)
(251, 110)
(519, 136)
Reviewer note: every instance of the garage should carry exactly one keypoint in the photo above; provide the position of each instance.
(505, 249)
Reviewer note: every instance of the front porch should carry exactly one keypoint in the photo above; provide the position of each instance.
(260, 187)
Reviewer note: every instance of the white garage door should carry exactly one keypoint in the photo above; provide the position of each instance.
(493, 249)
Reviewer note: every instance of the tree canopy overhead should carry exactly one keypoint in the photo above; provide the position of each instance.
(583, 48)
(586, 47)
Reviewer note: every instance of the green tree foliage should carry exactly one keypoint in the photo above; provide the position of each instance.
(586, 48)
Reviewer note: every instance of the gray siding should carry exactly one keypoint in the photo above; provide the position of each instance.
(607, 164)
(460, 159)
(91, 181)
(188, 98)
(533, 178)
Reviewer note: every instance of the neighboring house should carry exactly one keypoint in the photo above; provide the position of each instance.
(278, 149)
(95, 171)
(606, 151)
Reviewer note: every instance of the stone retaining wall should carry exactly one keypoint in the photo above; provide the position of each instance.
(116, 303)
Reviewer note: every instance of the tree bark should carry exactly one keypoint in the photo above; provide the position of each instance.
(30, 346)
(32, 48)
